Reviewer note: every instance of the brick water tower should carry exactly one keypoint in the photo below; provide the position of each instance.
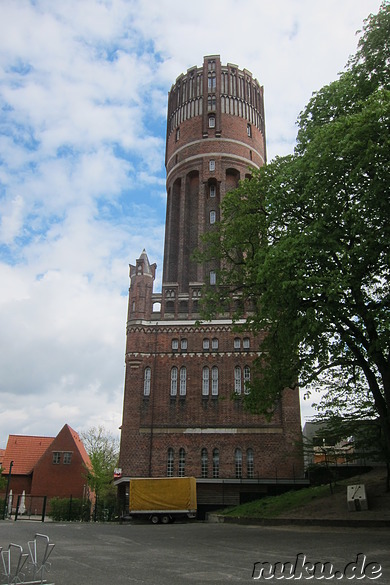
(183, 412)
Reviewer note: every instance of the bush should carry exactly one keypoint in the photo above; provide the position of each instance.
(70, 509)
(105, 509)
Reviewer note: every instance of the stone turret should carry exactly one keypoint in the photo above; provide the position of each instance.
(141, 288)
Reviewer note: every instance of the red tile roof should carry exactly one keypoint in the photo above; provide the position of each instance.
(79, 444)
(24, 451)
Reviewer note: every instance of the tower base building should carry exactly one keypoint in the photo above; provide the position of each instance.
(183, 412)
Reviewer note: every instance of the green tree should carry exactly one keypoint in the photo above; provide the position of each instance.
(103, 450)
(347, 409)
(305, 242)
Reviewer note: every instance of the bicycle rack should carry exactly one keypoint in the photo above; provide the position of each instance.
(21, 568)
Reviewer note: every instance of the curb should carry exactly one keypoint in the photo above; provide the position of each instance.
(363, 523)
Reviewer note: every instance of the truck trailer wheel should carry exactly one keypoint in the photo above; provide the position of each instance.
(165, 519)
(154, 519)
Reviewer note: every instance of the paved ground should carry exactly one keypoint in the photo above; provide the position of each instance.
(192, 553)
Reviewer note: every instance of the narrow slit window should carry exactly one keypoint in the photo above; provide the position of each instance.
(205, 381)
(147, 378)
(170, 460)
(182, 462)
(250, 463)
(183, 381)
(204, 463)
(174, 381)
(214, 381)
(215, 463)
(237, 380)
(238, 463)
(247, 379)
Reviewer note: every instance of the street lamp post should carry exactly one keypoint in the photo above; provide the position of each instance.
(7, 490)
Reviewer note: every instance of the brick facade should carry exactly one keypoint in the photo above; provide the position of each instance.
(183, 408)
(46, 466)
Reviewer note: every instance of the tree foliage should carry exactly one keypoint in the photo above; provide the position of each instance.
(103, 449)
(347, 409)
(305, 241)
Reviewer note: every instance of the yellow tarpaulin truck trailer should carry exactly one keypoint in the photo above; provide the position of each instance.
(163, 499)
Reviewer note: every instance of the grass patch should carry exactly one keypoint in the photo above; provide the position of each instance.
(274, 506)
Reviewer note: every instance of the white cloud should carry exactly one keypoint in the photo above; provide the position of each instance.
(83, 92)
(11, 220)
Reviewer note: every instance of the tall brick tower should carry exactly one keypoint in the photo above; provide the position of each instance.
(183, 412)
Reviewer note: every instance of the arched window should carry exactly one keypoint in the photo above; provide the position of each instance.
(214, 381)
(182, 462)
(238, 463)
(183, 381)
(204, 463)
(206, 343)
(237, 380)
(247, 379)
(237, 343)
(174, 381)
(214, 343)
(170, 462)
(213, 190)
(213, 277)
(213, 216)
(215, 463)
(249, 463)
(147, 378)
(205, 381)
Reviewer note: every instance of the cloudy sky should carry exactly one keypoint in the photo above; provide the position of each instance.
(83, 95)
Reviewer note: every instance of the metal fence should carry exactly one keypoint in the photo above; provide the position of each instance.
(31, 507)
(27, 568)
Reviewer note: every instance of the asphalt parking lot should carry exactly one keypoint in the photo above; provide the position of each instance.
(197, 553)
